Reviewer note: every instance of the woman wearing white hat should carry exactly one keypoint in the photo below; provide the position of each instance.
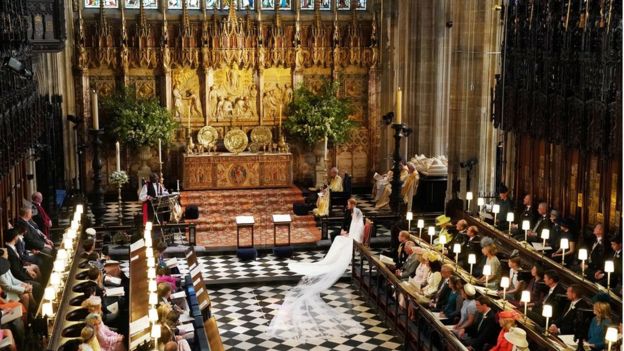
(517, 337)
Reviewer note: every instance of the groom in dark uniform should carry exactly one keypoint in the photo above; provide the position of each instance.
(346, 222)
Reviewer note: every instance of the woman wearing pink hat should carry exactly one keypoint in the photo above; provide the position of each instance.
(507, 320)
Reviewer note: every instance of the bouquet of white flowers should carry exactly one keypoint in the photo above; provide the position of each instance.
(118, 178)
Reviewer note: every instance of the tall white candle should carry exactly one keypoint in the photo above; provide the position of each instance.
(94, 110)
(399, 100)
(159, 151)
(118, 156)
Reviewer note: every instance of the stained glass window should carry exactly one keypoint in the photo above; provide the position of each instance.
(346, 4)
(135, 4)
(109, 4)
(270, 4)
(177, 4)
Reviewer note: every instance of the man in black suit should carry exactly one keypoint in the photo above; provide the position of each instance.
(472, 245)
(346, 221)
(598, 251)
(565, 323)
(528, 211)
(616, 257)
(34, 238)
(484, 330)
(552, 296)
(505, 206)
(17, 267)
(542, 222)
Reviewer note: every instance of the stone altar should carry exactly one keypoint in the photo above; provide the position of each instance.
(242, 171)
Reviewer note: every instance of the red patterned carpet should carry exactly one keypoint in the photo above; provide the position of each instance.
(216, 225)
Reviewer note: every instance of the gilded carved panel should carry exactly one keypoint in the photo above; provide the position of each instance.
(233, 95)
(355, 88)
(186, 97)
(104, 85)
(145, 87)
(277, 92)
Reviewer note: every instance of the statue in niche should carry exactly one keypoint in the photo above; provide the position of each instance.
(239, 108)
(177, 103)
(232, 79)
(213, 100)
(288, 94)
(195, 104)
(271, 103)
(219, 109)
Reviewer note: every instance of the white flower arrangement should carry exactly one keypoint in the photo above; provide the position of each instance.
(118, 178)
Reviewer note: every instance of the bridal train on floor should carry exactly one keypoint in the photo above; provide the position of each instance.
(304, 315)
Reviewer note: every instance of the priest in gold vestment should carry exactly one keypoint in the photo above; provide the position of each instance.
(409, 176)
(334, 184)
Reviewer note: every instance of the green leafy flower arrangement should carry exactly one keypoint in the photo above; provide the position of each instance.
(313, 116)
(118, 178)
(137, 122)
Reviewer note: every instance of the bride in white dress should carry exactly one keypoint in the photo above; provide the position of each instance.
(304, 315)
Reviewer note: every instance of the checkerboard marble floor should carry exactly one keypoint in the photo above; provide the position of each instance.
(243, 315)
(220, 269)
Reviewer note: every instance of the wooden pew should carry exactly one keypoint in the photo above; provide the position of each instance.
(527, 253)
(139, 296)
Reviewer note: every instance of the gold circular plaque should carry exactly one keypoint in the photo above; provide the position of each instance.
(207, 136)
(261, 135)
(235, 141)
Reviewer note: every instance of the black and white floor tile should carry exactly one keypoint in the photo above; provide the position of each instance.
(243, 315)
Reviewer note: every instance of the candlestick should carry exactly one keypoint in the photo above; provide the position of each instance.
(409, 216)
(526, 225)
(611, 336)
(472, 259)
(526, 298)
(609, 267)
(94, 110)
(546, 312)
(564, 245)
(469, 198)
(510, 218)
(456, 250)
(399, 101)
(487, 271)
(480, 203)
(159, 151)
(420, 224)
(442, 240)
(431, 232)
(582, 255)
(504, 284)
(118, 156)
(545, 236)
(495, 210)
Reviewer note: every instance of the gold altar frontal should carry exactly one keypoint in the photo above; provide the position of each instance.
(237, 171)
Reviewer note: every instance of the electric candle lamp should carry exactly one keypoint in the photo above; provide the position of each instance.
(487, 271)
(149, 252)
(431, 232)
(409, 216)
(480, 203)
(55, 279)
(147, 234)
(80, 208)
(525, 298)
(495, 211)
(59, 266)
(456, 251)
(564, 245)
(547, 312)
(526, 225)
(582, 255)
(609, 268)
(152, 285)
(611, 336)
(545, 236)
(148, 242)
(49, 293)
(504, 284)
(469, 198)
(61, 254)
(420, 224)
(155, 331)
(153, 315)
(151, 273)
(510, 218)
(472, 259)
(148, 226)
(47, 310)
(153, 299)
(151, 262)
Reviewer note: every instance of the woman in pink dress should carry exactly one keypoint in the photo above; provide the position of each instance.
(108, 339)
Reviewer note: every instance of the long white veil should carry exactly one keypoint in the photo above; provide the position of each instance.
(304, 315)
